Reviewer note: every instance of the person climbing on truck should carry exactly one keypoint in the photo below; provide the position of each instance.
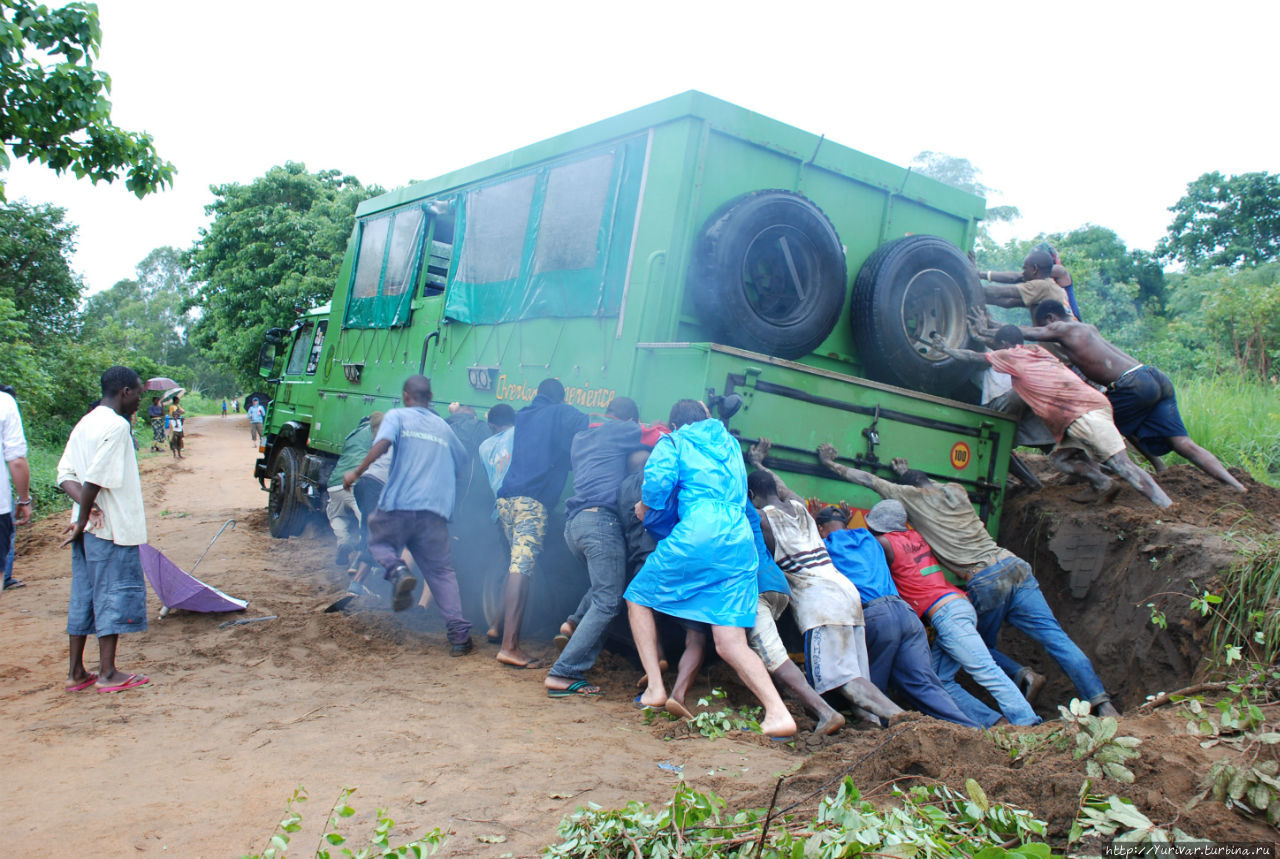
(540, 449)
(1142, 398)
(1034, 284)
(1078, 415)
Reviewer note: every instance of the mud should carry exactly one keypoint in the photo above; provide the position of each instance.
(200, 762)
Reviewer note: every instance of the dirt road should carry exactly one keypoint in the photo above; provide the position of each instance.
(201, 762)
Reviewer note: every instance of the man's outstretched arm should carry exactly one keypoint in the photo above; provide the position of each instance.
(827, 456)
(756, 456)
(966, 355)
(1003, 296)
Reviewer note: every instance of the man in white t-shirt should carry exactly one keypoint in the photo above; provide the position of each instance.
(99, 470)
(15, 502)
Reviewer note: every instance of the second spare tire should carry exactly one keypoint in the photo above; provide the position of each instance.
(769, 274)
(908, 289)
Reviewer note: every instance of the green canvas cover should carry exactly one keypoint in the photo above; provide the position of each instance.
(549, 242)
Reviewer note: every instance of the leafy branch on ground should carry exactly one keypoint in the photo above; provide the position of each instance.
(379, 843)
(1103, 753)
(1118, 821)
(929, 820)
(714, 723)
(1243, 640)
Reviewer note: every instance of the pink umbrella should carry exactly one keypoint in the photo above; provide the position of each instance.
(179, 589)
(160, 383)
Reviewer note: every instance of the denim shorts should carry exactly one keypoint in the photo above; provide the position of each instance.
(108, 592)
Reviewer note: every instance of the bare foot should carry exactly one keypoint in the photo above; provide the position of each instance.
(830, 724)
(644, 678)
(781, 727)
(518, 659)
(652, 697)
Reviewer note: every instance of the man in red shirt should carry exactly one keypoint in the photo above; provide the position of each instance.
(923, 584)
(1079, 416)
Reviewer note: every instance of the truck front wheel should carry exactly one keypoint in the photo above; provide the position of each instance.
(285, 513)
(906, 291)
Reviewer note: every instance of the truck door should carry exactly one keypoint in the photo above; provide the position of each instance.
(437, 263)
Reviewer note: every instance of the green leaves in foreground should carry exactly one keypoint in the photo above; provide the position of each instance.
(379, 843)
(929, 821)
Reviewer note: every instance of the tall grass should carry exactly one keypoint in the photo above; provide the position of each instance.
(1237, 420)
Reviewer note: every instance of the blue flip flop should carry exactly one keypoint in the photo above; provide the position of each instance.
(576, 689)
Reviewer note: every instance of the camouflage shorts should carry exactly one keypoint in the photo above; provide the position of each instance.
(525, 522)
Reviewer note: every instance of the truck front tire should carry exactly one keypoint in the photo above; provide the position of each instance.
(286, 515)
(908, 289)
(769, 274)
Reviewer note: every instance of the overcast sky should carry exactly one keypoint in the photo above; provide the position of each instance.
(1098, 113)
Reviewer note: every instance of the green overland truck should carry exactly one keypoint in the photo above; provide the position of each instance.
(689, 248)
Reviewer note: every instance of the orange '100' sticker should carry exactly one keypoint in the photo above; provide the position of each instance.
(960, 455)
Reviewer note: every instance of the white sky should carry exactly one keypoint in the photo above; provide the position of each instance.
(1098, 113)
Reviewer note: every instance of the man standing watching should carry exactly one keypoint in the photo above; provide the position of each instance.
(15, 501)
(257, 416)
(99, 470)
(593, 531)
(416, 504)
(544, 432)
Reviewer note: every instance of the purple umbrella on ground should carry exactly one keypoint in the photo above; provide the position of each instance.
(178, 589)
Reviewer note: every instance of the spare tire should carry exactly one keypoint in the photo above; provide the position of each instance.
(768, 274)
(906, 290)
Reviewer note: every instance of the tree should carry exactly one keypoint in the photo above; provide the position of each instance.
(960, 173)
(1225, 221)
(53, 102)
(35, 245)
(273, 244)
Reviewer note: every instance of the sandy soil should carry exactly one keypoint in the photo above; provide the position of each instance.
(201, 762)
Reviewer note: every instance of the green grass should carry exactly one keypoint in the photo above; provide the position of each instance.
(43, 455)
(1237, 420)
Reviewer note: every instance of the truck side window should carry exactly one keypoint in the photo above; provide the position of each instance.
(402, 253)
(373, 246)
(443, 213)
(497, 223)
(300, 351)
(317, 347)
(574, 206)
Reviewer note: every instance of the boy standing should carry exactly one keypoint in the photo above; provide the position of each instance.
(99, 470)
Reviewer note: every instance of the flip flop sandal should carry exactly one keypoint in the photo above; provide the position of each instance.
(677, 709)
(576, 689)
(130, 682)
(531, 665)
(83, 684)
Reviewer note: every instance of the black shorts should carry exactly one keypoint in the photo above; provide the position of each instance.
(1146, 408)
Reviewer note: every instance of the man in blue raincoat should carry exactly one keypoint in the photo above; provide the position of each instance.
(705, 569)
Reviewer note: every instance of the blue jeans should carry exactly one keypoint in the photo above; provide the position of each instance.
(7, 539)
(898, 651)
(958, 645)
(1007, 592)
(595, 537)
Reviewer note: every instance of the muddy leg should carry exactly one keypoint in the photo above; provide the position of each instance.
(1072, 461)
(1205, 461)
(1122, 465)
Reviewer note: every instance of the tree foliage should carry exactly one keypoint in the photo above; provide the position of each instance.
(1223, 221)
(273, 244)
(54, 108)
(960, 173)
(36, 244)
